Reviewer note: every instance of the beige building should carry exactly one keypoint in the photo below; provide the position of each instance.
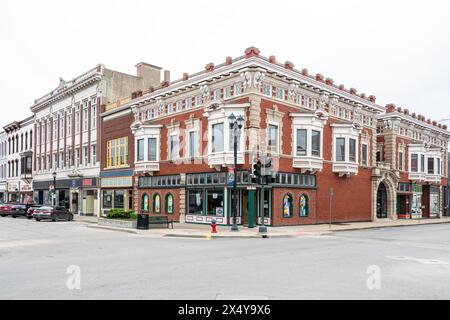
(67, 130)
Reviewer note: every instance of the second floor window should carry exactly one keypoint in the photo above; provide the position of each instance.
(352, 150)
(302, 142)
(55, 129)
(69, 125)
(422, 163)
(85, 156)
(400, 160)
(430, 165)
(414, 162)
(364, 155)
(340, 149)
(152, 149)
(192, 144)
(77, 122)
(140, 150)
(94, 154)
(85, 119)
(77, 157)
(61, 127)
(315, 143)
(273, 138)
(48, 131)
(217, 142)
(174, 147)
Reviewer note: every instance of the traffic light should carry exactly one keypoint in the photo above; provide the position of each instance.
(256, 171)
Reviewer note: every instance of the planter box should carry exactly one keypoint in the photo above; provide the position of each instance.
(126, 224)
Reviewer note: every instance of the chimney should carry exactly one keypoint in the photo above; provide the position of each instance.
(167, 75)
(150, 74)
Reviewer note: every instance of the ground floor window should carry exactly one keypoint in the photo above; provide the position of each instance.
(215, 202)
(145, 203)
(195, 202)
(434, 200)
(288, 210)
(304, 205)
(107, 199)
(119, 199)
(156, 203)
(169, 204)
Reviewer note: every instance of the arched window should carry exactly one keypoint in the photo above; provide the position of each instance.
(304, 205)
(288, 208)
(169, 204)
(156, 203)
(144, 203)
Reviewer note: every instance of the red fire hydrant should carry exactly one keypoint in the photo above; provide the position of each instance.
(213, 225)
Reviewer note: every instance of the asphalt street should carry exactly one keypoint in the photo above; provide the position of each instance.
(67, 260)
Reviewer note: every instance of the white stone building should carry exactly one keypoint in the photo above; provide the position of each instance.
(19, 160)
(3, 165)
(67, 134)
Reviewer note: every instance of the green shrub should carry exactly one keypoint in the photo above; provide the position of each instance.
(121, 214)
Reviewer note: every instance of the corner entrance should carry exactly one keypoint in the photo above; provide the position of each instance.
(382, 208)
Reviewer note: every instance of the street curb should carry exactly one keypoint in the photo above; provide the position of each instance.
(81, 221)
(112, 229)
(392, 226)
(267, 236)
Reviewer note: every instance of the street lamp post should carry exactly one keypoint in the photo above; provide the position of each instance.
(54, 188)
(235, 129)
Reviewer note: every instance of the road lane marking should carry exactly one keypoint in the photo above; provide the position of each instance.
(423, 261)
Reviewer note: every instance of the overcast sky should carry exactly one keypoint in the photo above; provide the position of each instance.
(397, 50)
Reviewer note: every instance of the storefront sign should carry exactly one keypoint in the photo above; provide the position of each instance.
(87, 183)
(219, 212)
(119, 182)
(25, 188)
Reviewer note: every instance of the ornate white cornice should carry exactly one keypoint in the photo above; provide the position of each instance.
(68, 88)
(243, 68)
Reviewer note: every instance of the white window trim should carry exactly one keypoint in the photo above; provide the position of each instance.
(310, 123)
(196, 151)
(146, 132)
(347, 132)
(177, 156)
(277, 124)
(367, 154)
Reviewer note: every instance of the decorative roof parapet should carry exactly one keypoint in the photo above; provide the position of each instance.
(253, 53)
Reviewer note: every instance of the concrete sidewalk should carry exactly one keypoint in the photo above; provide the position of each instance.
(185, 230)
(85, 219)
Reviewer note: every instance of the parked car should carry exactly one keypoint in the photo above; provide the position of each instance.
(52, 213)
(21, 210)
(31, 210)
(5, 209)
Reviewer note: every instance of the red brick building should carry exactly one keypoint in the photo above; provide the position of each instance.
(412, 165)
(321, 137)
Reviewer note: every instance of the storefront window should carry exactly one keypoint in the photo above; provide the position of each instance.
(434, 200)
(169, 204)
(144, 203)
(107, 199)
(215, 202)
(288, 210)
(195, 202)
(119, 197)
(156, 203)
(304, 205)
